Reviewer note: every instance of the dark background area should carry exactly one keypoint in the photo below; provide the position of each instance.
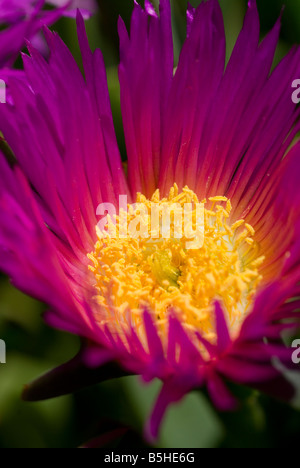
(33, 348)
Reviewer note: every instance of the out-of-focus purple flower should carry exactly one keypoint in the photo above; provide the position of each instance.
(190, 318)
(86, 7)
(23, 19)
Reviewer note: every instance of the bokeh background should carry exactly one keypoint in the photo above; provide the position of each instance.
(114, 412)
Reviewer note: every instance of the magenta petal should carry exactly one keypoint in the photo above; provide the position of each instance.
(223, 336)
(154, 342)
(171, 392)
(145, 74)
(220, 394)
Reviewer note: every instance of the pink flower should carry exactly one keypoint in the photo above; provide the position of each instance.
(190, 318)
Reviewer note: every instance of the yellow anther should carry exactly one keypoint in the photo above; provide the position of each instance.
(258, 262)
(218, 199)
(237, 224)
(162, 274)
(250, 229)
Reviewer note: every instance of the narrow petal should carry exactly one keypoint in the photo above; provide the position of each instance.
(145, 74)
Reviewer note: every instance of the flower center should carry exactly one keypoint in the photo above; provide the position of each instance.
(175, 255)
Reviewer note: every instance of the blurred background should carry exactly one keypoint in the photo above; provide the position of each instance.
(114, 412)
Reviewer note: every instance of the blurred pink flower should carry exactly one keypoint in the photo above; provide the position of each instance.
(23, 19)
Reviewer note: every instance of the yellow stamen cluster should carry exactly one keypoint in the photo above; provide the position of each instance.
(161, 274)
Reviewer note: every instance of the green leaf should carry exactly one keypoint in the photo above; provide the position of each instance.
(192, 423)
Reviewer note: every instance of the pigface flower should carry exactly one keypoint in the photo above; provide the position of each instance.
(190, 313)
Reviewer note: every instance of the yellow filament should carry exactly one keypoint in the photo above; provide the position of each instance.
(161, 274)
